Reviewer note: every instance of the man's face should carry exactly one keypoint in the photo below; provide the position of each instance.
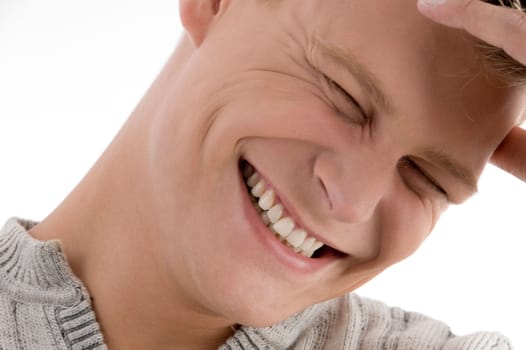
(366, 120)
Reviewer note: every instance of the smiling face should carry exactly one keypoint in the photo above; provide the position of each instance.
(364, 119)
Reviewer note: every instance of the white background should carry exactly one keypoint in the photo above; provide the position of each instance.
(72, 71)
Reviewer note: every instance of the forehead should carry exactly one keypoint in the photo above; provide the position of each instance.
(411, 55)
(395, 26)
(426, 69)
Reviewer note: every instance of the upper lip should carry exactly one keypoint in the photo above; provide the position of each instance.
(292, 211)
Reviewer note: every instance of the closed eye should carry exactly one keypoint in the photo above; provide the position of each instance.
(348, 100)
(423, 179)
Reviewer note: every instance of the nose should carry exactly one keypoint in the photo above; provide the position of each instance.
(354, 185)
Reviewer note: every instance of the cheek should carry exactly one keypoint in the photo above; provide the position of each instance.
(407, 221)
(271, 113)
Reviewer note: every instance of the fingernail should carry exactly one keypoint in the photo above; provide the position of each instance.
(431, 2)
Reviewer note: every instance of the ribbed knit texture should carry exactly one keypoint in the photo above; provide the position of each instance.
(355, 323)
(43, 306)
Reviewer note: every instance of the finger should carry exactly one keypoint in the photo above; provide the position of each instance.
(499, 26)
(511, 154)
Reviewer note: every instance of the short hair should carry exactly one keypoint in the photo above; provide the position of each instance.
(496, 59)
(507, 3)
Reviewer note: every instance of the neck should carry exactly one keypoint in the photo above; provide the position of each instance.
(111, 245)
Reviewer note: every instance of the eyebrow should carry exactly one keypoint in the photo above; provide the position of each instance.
(364, 76)
(455, 168)
(372, 85)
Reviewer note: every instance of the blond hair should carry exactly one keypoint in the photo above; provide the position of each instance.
(507, 3)
(497, 60)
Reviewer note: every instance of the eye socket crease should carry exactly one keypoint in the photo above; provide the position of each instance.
(456, 169)
(370, 83)
(349, 63)
(333, 85)
(430, 181)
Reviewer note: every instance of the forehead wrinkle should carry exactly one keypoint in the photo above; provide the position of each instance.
(364, 76)
(455, 168)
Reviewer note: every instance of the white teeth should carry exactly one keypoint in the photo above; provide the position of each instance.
(315, 247)
(267, 200)
(258, 189)
(284, 226)
(307, 244)
(274, 214)
(271, 212)
(296, 238)
(253, 180)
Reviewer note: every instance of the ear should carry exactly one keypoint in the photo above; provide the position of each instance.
(197, 17)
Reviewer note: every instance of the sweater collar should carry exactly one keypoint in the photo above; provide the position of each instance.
(37, 271)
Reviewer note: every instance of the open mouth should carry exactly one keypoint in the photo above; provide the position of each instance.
(275, 216)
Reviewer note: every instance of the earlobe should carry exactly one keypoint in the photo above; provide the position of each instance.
(197, 17)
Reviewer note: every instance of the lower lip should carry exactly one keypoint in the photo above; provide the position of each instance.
(272, 245)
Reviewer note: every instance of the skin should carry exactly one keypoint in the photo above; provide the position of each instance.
(501, 27)
(156, 229)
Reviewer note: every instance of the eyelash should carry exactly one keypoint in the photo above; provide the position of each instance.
(430, 183)
(405, 162)
(348, 97)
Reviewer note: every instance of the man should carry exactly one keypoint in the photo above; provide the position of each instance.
(350, 139)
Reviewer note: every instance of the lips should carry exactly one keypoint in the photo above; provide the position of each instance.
(276, 217)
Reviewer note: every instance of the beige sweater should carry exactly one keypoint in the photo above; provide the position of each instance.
(43, 306)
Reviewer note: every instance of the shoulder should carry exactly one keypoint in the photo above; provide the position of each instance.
(396, 328)
(34, 271)
(356, 323)
(42, 304)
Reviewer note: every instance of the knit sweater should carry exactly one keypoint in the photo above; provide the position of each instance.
(43, 306)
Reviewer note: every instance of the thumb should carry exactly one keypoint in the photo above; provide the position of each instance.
(447, 12)
(510, 156)
(500, 26)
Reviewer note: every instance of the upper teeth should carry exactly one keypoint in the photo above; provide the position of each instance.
(272, 215)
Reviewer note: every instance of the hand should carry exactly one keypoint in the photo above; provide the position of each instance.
(510, 156)
(498, 26)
